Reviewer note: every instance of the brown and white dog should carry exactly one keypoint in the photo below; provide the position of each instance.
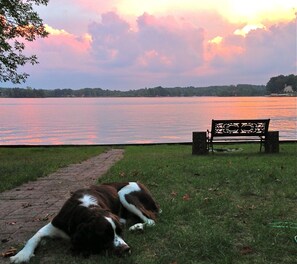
(92, 218)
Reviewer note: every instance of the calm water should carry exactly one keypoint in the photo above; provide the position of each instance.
(53, 121)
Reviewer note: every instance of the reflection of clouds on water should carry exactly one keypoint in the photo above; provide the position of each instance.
(140, 142)
(170, 137)
(54, 121)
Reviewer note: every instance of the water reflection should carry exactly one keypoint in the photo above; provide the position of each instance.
(133, 120)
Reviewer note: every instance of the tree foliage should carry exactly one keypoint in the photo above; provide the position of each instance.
(18, 22)
(232, 90)
(277, 84)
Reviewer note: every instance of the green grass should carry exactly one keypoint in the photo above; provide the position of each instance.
(216, 208)
(20, 165)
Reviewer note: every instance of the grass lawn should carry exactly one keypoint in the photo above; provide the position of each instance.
(216, 208)
(19, 165)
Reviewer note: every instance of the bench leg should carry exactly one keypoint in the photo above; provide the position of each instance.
(261, 144)
(211, 145)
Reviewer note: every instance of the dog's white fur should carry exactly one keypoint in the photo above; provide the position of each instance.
(87, 200)
(28, 251)
(132, 187)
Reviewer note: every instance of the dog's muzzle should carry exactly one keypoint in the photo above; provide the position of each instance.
(122, 251)
(121, 248)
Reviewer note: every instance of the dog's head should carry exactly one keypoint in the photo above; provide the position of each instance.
(101, 232)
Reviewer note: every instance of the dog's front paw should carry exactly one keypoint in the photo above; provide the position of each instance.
(21, 257)
(150, 222)
(137, 227)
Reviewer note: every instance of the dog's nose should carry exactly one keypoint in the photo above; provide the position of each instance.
(124, 251)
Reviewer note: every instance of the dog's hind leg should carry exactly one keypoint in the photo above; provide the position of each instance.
(134, 206)
(28, 251)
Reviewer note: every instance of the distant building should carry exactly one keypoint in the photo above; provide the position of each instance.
(288, 89)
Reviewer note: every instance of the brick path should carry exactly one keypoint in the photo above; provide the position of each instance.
(27, 208)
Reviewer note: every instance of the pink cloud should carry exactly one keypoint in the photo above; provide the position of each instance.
(113, 42)
(263, 51)
(60, 50)
(164, 50)
(157, 44)
(273, 49)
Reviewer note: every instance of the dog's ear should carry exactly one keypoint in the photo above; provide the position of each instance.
(91, 237)
(79, 240)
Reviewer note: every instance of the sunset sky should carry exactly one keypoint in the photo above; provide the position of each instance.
(132, 44)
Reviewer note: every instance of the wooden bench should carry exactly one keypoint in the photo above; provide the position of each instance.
(247, 129)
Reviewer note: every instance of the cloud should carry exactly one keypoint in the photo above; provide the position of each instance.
(61, 52)
(113, 43)
(265, 51)
(157, 44)
(169, 43)
(272, 50)
(247, 28)
(167, 50)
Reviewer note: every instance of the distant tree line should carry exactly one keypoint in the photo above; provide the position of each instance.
(232, 90)
(277, 84)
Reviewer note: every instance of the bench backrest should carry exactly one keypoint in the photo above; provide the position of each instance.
(241, 127)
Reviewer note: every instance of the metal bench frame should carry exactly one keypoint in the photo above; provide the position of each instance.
(251, 129)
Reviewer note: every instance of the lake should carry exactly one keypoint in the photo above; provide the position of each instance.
(54, 121)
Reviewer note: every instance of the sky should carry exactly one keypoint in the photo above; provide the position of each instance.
(132, 44)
